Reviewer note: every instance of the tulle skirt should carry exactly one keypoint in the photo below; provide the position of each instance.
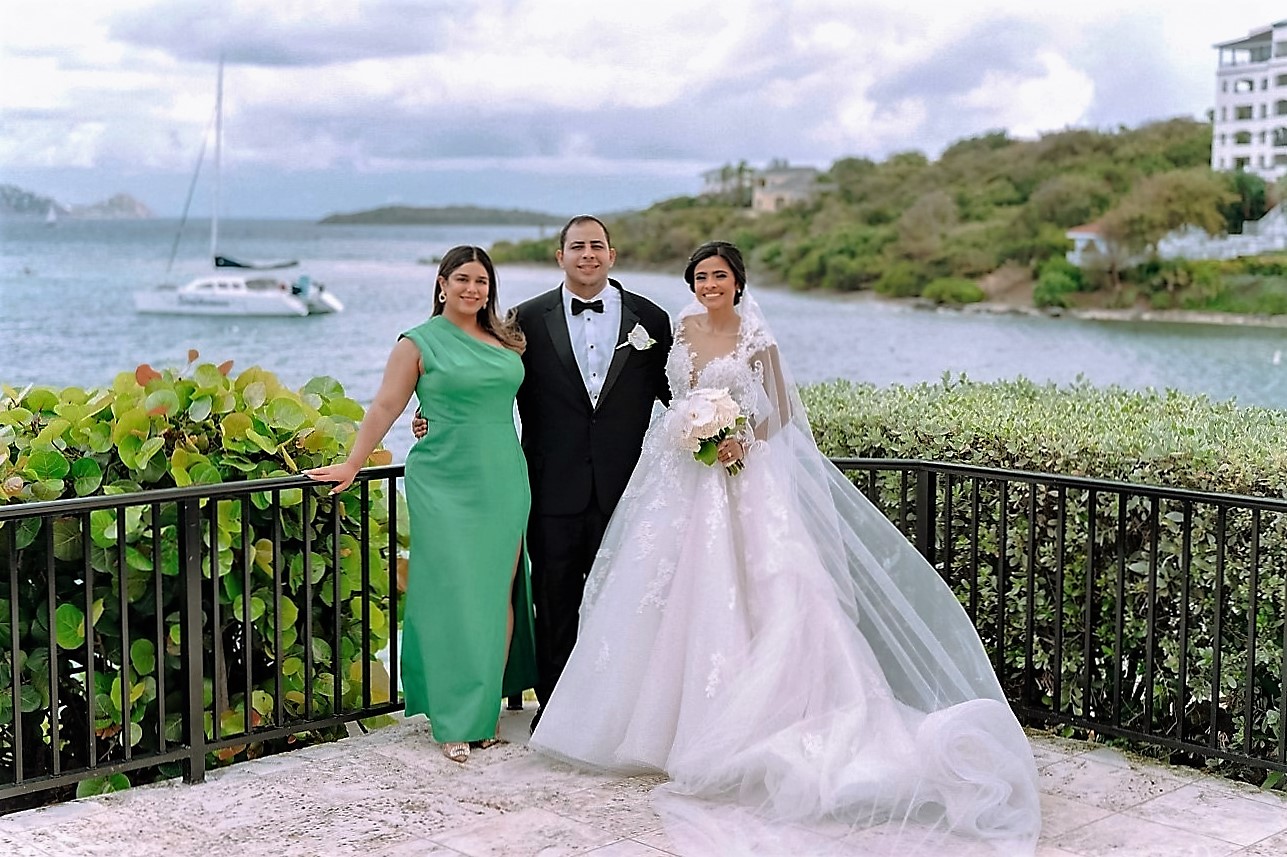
(798, 707)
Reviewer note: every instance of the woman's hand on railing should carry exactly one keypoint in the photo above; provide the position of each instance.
(342, 474)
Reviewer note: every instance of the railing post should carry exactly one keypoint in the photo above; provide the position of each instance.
(191, 647)
(926, 512)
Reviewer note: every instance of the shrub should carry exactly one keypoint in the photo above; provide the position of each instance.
(1032, 242)
(953, 290)
(527, 251)
(1052, 290)
(1265, 266)
(901, 280)
(1060, 265)
(175, 428)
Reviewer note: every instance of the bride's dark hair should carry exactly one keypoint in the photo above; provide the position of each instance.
(726, 251)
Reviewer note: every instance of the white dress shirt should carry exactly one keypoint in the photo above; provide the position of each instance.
(594, 337)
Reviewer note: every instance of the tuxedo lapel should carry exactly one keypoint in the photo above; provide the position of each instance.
(556, 323)
(620, 353)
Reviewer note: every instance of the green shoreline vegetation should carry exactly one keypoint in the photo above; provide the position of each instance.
(450, 215)
(986, 222)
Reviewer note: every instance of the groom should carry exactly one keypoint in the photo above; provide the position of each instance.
(595, 363)
(585, 402)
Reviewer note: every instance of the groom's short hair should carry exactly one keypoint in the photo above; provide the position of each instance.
(579, 219)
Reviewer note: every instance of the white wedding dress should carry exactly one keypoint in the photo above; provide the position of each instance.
(772, 643)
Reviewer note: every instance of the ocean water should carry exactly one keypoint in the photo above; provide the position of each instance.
(67, 317)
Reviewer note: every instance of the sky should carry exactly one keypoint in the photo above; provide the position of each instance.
(564, 107)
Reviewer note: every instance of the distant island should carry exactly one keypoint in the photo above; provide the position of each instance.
(450, 215)
(17, 203)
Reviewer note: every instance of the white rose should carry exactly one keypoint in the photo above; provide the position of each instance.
(719, 411)
(638, 339)
(680, 428)
(727, 411)
(699, 413)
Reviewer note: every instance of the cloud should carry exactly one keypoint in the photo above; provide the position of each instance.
(613, 90)
(286, 34)
(1003, 47)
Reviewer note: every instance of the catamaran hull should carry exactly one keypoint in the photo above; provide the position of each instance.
(320, 303)
(169, 302)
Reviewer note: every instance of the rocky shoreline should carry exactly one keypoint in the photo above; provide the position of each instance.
(1134, 314)
(1130, 314)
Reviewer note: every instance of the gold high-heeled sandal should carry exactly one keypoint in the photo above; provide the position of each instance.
(457, 751)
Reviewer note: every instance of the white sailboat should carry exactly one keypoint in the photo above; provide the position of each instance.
(235, 287)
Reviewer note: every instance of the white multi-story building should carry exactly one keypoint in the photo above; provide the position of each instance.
(1251, 103)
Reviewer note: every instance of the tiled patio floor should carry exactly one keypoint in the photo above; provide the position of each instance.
(392, 793)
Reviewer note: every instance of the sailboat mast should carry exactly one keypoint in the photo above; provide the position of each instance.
(218, 171)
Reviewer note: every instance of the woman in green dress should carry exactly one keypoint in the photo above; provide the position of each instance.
(467, 633)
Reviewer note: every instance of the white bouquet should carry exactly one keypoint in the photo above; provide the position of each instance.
(702, 419)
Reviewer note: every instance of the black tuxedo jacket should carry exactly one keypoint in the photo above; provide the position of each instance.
(571, 445)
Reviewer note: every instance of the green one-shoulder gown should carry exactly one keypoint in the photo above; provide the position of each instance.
(468, 497)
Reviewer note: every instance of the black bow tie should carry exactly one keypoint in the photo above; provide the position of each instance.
(579, 306)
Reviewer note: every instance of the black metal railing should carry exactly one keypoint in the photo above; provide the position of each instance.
(158, 630)
(1148, 613)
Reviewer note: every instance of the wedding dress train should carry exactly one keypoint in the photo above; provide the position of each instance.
(778, 648)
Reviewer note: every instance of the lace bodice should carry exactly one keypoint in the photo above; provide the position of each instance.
(740, 371)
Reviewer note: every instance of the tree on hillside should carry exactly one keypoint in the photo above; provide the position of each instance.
(1159, 204)
(1168, 144)
(924, 225)
(988, 142)
(1251, 199)
(849, 174)
(735, 183)
(1069, 199)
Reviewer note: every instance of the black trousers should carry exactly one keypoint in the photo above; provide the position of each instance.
(562, 549)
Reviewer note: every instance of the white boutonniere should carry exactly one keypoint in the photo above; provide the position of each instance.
(638, 339)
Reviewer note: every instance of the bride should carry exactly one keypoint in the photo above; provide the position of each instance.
(762, 634)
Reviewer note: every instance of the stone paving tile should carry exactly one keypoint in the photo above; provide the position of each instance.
(92, 838)
(626, 848)
(417, 848)
(1107, 782)
(392, 793)
(1274, 846)
(48, 816)
(1211, 809)
(659, 840)
(527, 833)
(614, 808)
(1058, 743)
(1060, 815)
(1247, 790)
(1120, 834)
(1044, 754)
(535, 780)
(20, 845)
